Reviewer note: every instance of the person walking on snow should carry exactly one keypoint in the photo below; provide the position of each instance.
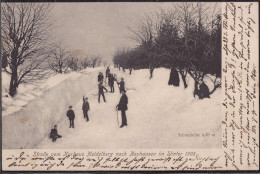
(71, 116)
(85, 108)
(121, 85)
(101, 92)
(54, 134)
(100, 77)
(122, 106)
(107, 73)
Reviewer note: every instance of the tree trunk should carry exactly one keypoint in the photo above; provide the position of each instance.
(196, 89)
(174, 78)
(151, 73)
(119, 67)
(60, 68)
(130, 71)
(184, 79)
(13, 83)
(123, 69)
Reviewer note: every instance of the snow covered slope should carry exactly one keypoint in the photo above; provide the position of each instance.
(159, 116)
(27, 126)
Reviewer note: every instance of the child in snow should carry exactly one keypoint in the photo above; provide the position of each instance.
(101, 92)
(107, 73)
(100, 77)
(121, 85)
(54, 134)
(85, 107)
(71, 116)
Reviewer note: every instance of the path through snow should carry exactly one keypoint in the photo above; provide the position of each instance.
(157, 114)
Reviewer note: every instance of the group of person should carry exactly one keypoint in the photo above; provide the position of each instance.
(111, 79)
(122, 105)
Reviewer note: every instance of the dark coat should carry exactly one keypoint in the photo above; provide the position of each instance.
(174, 78)
(122, 85)
(204, 91)
(71, 114)
(107, 72)
(54, 133)
(100, 88)
(100, 77)
(111, 80)
(85, 107)
(123, 103)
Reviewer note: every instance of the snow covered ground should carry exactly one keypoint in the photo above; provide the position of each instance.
(28, 92)
(158, 116)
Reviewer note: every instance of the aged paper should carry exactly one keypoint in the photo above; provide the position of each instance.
(230, 144)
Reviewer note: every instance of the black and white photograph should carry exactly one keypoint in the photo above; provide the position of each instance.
(111, 75)
(129, 86)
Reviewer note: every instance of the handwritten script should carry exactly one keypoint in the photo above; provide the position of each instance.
(241, 86)
(98, 160)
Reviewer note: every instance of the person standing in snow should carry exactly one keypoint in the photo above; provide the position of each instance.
(71, 116)
(100, 77)
(107, 73)
(174, 77)
(101, 92)
(203, 91)
(111, 82)
(54, 134)
(109, 78)
(85, 108)
(121, 85)
(122, 106)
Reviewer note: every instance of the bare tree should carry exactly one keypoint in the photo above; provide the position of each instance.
(25, 31)
(198, 20)
(58, 58)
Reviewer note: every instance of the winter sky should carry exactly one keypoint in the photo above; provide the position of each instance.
(96, 28)
(99, 28)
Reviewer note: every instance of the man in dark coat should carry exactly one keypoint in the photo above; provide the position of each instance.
(54, 134)
(85, 107)
(101, 92)
(100, 77)
(121, 85)
(111, 82)
(122, 106)
(107, 73)
(71, 116)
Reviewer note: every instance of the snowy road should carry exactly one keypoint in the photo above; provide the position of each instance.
(158, 116)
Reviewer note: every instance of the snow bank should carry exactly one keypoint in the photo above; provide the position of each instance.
(28, 92)
(38, 109)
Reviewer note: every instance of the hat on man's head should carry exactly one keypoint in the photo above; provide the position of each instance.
(70, 107)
